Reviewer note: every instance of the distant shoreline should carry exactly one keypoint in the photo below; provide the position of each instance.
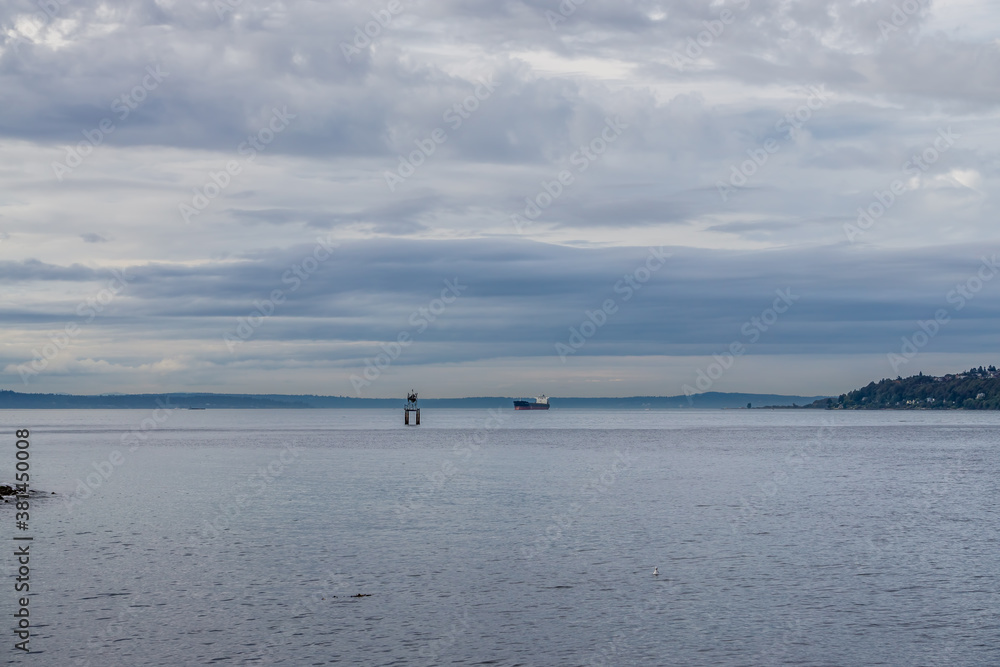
(710, 400)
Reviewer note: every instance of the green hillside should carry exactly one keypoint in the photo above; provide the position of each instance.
(975, 389)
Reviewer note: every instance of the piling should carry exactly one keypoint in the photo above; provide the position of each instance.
(411, 406)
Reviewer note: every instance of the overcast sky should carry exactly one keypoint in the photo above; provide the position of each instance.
(264, 197)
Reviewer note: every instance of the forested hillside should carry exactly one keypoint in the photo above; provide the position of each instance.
(975, 389)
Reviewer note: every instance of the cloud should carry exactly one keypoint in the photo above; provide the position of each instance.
(752, 140)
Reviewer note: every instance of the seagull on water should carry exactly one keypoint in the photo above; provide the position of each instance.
(656, 571)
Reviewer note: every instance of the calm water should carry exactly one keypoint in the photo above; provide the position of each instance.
(239, 537)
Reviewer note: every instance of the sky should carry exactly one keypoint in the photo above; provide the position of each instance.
(516, 197)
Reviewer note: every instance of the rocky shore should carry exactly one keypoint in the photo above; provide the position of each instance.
(8, 490)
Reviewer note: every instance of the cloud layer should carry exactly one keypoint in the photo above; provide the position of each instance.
(531, 150)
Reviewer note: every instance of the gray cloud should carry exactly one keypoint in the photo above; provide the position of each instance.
(701, 99)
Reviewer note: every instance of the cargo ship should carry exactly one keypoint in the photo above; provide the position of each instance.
(541, 403)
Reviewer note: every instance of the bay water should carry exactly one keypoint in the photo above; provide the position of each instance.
(495, 537)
